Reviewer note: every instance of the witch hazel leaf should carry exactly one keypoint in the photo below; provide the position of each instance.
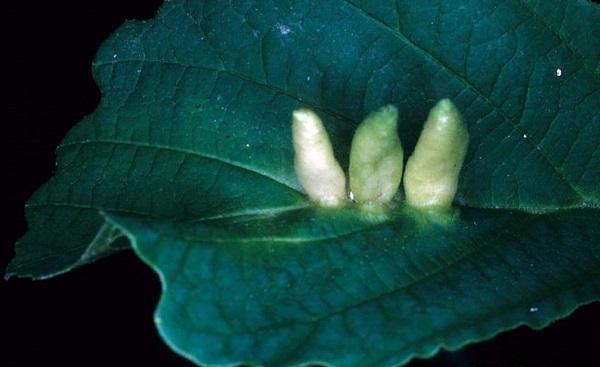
(191, 155)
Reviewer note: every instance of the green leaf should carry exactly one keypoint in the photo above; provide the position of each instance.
(190, 148)
(333, 286)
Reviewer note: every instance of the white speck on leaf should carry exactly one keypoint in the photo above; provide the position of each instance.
(114, 56)
(247, 145)
(533, 309)
(283, 29)
(524, 136)
(558, 72)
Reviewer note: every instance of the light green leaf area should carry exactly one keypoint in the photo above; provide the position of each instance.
(190, 155)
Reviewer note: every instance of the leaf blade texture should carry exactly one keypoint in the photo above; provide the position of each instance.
(193, 136)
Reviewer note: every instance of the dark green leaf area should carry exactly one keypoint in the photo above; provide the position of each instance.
(194, 120)
(213, 77)
(64, 237)
(355, 289)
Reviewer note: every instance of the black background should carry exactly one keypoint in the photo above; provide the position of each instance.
(101, 314)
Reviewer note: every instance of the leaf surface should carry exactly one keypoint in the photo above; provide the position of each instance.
(334, 286)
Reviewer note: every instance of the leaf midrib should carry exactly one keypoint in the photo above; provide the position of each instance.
(483, 237)
(488, 244)
(488, 241)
